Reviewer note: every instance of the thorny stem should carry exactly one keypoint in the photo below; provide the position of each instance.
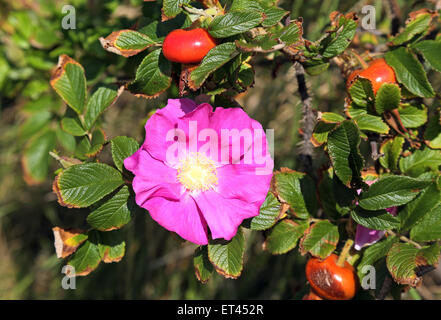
(308, 120)
(396, 14)
(344, 252)
(405, 239)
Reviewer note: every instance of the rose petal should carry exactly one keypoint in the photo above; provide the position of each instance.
(224, 216)
(170, 125)
(365, 237)
(182, 217)
(179, 107)
(392, 210)
(152, 177)
(141, 163)
(231, 123)
(242, 181)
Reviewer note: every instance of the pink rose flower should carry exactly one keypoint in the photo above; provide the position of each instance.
(364, 236)
(198, 167)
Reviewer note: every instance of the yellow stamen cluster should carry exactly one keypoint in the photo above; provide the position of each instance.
(197, 173)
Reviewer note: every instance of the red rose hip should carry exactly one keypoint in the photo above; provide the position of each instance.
(331, 281)
(187, 46)
(378, 72)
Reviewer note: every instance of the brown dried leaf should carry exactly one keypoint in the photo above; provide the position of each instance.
(185, 80)
(58, 71)
(295, 50)
(65, 242)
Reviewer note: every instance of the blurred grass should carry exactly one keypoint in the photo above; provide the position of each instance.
(157, 264)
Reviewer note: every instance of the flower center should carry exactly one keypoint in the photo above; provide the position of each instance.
(197, 173)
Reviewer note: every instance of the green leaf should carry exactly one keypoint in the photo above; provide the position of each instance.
(100, 246)
(321, 131)
(245, 76)
(82, 185)
(214, 59)
(273, 15)
(372, 123)
(87, 148)
(261, 43)
(330, 117)
(111, 246)
(403, 259)
(283, 236)
(420, 207)
(233, 23)
(269, 212)
(376, 220)
(328, 121)
(122, 147)
(320, 239)
(392, 150)
(246, 5)
(98, 102)
(86, 258)
(388, 97)
(35, 159)
(69, 81)
(126, 42)
(202, 265)
(429, 228)
(343, 143)
(171, 8)
(153, 76)
(421, 161)
(291, 33)
(339, 39)
(390, 191)
(72, 126)
(112, 214)
(227, 256)
(415, 27)
(132, 40)
(431, 51)
(375, 252)
(409, 72)
(361, 92)
(294, 189)
(353, 110)
(411, 116)
(98, 139)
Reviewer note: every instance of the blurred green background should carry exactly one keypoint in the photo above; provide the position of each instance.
(157, 265)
